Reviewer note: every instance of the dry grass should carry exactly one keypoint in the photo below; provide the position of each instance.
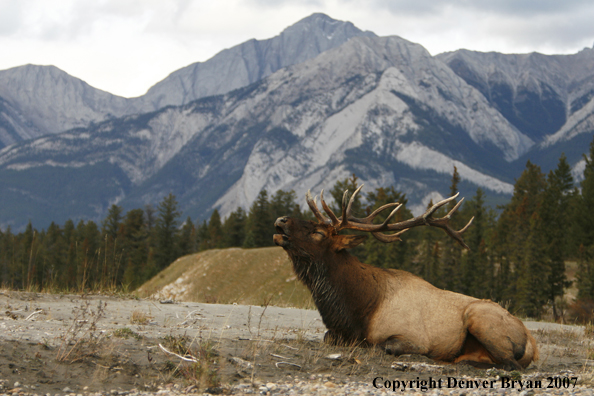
(140, 318)
(203, 371)
(82, 339)
(245, 276)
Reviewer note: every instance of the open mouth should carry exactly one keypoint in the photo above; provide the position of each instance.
(280, 238)
(281, 232)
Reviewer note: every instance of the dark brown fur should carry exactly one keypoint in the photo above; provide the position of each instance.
(345, 291)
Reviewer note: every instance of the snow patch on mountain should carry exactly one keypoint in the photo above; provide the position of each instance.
(418, 156)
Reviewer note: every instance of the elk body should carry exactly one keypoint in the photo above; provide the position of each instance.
(395, 309)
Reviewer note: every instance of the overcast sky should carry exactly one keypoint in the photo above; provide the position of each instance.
(126, 46)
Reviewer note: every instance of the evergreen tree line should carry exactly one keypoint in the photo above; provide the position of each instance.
(517, 258)
(126, 250)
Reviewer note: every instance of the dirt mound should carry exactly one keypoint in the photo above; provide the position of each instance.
(261, 276)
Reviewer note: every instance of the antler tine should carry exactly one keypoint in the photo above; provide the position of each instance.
(346, 210)
(455, 208)
(329, 211)
(389, 238)
(378, 211)
(457, 235)
(466, 226)
(438, 205)
(353, 199)
(311, 202)
(344, 206)
(443, 222)
(392, 213)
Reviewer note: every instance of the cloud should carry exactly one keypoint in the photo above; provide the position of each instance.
(11, 16)
(484, 25)
(125, 46)
(525, 8)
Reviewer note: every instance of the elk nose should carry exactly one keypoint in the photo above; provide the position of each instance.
(281, 220)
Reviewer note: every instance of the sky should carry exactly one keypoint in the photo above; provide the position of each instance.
(126, 46)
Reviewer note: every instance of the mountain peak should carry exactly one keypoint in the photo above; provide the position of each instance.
(321, 23)
(251, 61)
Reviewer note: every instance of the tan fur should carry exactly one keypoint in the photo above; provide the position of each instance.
(416, 317)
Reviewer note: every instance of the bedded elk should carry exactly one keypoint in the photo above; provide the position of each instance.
(395, 309)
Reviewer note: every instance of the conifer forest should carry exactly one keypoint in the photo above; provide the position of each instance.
(518, 254)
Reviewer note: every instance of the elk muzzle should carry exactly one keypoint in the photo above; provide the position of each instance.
(282, 236)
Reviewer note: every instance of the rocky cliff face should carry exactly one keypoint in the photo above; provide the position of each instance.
(41, 100)
(251, 61)
(539, 94)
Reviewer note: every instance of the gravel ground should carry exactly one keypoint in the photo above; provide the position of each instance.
(251, 350)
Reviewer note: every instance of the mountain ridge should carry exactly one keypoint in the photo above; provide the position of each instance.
(380, 107)
(79, 105)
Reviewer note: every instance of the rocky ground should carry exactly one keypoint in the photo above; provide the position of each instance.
(67, 344)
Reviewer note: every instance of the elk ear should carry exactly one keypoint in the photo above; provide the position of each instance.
(348, 241)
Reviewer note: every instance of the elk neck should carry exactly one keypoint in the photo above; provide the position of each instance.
(345, 291)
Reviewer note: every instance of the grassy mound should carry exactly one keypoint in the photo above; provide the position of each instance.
(225, 276)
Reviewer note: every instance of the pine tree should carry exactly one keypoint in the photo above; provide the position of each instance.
(166, 233)
(451, 265)
(555, 215)
(89, 242)
(187, 238)
(388, 255)
(203, 237)
(430, 254)
(585, 224)
(135, 250)
(514, 227)
(67, 278)
(28, 256)
(111, 223)
(234, 229)
(6, 253)
(476, 272)
(54, 252)
(531, 295)
(259, 229)
(215, 230)
(282, 203)
(111, 245)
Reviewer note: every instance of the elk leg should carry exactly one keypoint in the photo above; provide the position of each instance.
(474, 353)
(398, 346)
(332, 338)
(502, 335)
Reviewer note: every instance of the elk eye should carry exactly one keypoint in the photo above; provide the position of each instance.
(320, 233)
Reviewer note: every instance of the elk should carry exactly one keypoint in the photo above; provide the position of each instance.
(394, 309)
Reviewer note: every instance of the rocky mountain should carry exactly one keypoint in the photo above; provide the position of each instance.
(381, 107)
(550, 98)
(251, 61)
(41, 100)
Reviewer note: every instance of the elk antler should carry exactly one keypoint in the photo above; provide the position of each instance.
(346, 221)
